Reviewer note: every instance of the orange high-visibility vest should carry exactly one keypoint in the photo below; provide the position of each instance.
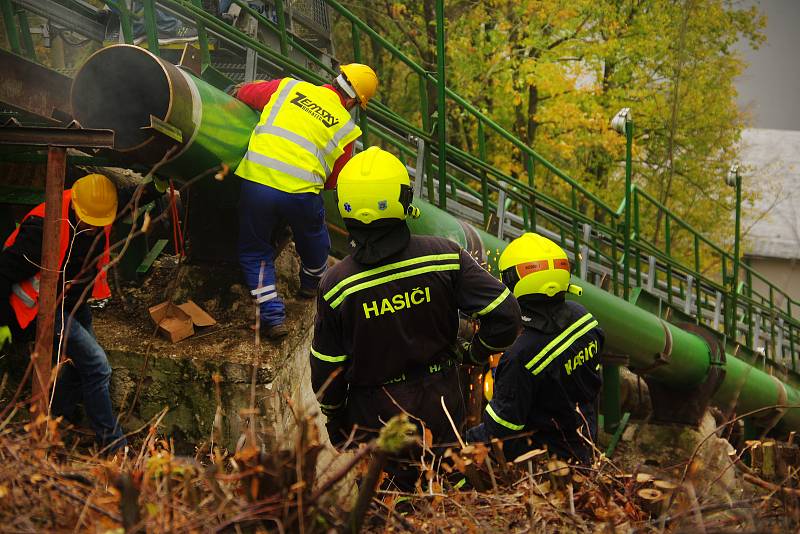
(24, 296)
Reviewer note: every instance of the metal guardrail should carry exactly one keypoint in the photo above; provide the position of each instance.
(470, 186)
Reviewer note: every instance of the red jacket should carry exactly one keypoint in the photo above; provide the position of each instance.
(257, 95)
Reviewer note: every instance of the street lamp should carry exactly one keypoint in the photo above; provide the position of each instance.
(619, 121)
(622, 123)
(734, 180)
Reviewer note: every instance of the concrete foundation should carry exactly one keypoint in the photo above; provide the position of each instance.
(220, 371)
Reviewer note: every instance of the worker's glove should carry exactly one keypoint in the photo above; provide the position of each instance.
(5, 336)
(160, 185)
(474, 352)
(232, 90)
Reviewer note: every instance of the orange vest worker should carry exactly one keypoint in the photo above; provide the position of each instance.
(24, 297)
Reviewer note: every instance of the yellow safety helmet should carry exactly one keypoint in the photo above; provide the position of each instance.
(534, 265)
(488, 378)
(374, 185)
(361, 79)
(94, 199)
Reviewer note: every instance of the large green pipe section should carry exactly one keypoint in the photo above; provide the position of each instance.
(160, 112)
(645, 339)
(215, 128)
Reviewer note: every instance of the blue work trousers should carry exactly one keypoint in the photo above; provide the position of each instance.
(85, 378)
(263, 214)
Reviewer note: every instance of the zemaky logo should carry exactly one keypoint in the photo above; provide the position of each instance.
(311, 107)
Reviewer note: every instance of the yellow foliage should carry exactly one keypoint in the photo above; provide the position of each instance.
(554, 72)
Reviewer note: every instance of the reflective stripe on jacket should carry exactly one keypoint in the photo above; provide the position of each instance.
(302, 132)
(24, 298)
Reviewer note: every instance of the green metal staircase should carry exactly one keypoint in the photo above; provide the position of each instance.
(761, 326)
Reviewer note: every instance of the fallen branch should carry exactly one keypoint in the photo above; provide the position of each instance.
(756, 481)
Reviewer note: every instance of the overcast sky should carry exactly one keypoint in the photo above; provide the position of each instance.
(770, 87)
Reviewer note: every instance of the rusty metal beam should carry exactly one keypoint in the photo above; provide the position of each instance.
(54, 136)
(33, 88)
(43, 350)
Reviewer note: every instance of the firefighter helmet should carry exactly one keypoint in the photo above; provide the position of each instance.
(94, 199)
(374, 185)
(534, 265)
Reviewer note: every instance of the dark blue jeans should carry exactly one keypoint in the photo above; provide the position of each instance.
(85, 378)
(263, 211)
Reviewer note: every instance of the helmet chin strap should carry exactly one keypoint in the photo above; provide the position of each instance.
(413, 211)
(346, 87)
(575, 290)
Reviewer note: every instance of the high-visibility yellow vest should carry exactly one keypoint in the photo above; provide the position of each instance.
(302, 132)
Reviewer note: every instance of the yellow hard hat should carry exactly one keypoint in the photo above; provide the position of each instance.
(534, 265)
(362, 80)
(94, 199)
(374, 185)
(488, 378)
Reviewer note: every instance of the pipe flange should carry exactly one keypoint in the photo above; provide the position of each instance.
(664, 357)
(688, 405)
(715, 346)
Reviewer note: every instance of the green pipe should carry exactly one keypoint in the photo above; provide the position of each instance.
(121, 87)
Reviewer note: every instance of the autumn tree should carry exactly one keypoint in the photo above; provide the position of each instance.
(553, 72)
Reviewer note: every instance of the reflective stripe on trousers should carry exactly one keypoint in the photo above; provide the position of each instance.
(26, 299)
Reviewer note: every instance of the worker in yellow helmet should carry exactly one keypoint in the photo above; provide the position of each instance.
(88, 209)
(547, 384)
(305, 136)
(388, 315)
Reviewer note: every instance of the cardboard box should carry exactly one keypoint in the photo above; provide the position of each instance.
(177, 322)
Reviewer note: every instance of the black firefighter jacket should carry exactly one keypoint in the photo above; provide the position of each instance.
(547, 383)
(384, 333)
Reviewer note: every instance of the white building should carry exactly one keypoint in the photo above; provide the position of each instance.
(772, 242)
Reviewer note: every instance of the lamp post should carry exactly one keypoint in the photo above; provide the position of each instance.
(734, 180)
(440, 95)
(623, 123)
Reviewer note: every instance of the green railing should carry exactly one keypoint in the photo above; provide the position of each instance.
(685, 268)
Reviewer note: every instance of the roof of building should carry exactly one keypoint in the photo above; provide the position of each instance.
(773, 158)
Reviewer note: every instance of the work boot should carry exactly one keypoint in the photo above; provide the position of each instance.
(179, 34)
(275, 331)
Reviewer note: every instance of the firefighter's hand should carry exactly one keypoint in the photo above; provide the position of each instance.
(478, 354)
(5, 336)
